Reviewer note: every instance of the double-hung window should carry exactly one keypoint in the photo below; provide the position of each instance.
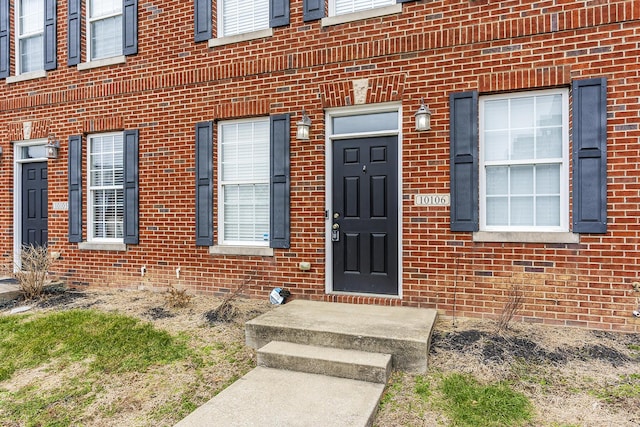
(341, 7)
(524, 151)
(243, 182)
(104, 28)
(30, 35)
(106, 187)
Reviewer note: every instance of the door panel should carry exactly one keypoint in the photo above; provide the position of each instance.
(35, 204)
(365, 210)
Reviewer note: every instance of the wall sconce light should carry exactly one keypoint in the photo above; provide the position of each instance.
(53, 145)
(423, 117)
(303, 127)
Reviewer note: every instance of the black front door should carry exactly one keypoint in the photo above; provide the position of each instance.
(365, 215)
(34, 204)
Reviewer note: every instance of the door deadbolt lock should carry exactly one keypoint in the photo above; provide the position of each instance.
(336, 215)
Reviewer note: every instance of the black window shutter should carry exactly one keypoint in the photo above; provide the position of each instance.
(278, 13)
(50, 35)
(5, 53)
(131, 188)
(74, 22)
(464, 161)
(590, 155)
(312, 10)
(75, 188)
(204, 184)
(130, 27)
(279, 232)
(202, 20)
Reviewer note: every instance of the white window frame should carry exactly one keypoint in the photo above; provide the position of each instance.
(254, 33)
(20, 36)
(221, 186)
(90, 219)
(563, 162)
(91, 20)
(333, 8)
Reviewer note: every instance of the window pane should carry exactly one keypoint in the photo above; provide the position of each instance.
(497, 180)
(549, 143)
(549, 110)
(366, 123)
(245, 151)
(522, 180)
(106, 38)
(548, 179)
(348, 6)
(243, 16)
(497, 211)
(522, 113)
(522, 145)
(105, 7)
(548, 211)
(246, 213)
(521, 211)
(496, 114)
(31, 54)
(31, 18)
(496, 145)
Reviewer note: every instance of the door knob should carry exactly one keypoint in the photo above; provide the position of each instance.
(335, 226)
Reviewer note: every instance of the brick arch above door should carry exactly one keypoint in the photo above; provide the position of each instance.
(368, 90)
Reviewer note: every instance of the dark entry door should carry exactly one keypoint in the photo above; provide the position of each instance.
(365, 215)
(34, 204)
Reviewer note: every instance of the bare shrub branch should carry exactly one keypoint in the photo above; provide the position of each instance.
(32, 276)
(511, 307)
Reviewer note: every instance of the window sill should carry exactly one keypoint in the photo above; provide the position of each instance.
(364, 14)
(253, 35)
(524, 237)
(102, 62)
(27, 76)
(91, 246)
(241, 250)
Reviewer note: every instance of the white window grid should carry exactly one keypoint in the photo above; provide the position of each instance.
(562, 162)
(102, 43)
(105, 216)
(30, 36)
(243, 182)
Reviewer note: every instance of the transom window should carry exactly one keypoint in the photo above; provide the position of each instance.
(524, 158)
(341, 7)
(106, 185)
(105, 28)
(242, 16)
(243, 153)
(30, 40)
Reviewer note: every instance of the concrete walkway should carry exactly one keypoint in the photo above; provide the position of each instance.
(320, 364)
(9, 290)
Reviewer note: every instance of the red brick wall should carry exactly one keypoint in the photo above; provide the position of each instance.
(430, 50)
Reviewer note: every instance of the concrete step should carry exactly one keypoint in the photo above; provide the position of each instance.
(403, 332)
(353, 364)
(269, 397)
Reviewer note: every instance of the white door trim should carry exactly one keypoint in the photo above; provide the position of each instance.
(19, 160)
(329, 138)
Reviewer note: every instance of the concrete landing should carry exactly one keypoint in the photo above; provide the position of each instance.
(9, 290)
(403, 332)
(269, 397)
